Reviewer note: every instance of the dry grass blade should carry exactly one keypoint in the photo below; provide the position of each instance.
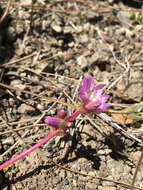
(6, 12)
(136, 171)
(109, 120)
(97, 177)
(39, 96)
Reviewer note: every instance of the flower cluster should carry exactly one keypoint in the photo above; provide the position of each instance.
(93, 100)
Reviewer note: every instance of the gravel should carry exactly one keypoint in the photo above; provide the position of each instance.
(71, 39)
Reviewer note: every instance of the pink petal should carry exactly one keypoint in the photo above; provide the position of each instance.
(92, 105)
(105, 98)
(98, 110)
(100, 86)
(88, 86)
(103, 106)
(88, 83)
(62, 113)
(53, 121)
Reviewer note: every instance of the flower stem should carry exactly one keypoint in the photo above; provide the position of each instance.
(73, 116)
(26, 152)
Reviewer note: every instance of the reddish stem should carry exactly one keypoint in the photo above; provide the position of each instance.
(73, 116)
(26, 152)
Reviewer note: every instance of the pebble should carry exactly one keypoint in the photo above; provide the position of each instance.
(11, 33)
(19, 28)
(108, 183)
(108, 151)
(62, 174)
(9, 140)
(81, 60)
(24, 108)
(110, 1)
(56, 180)
(129, 33)
(71, 44)
(56, 28)
(101, 152)
(26, 2)
(67, 29)
(84, 38)
(125, 17)
(23, 14)
(108, 188)
(135, 90)
(138, 28)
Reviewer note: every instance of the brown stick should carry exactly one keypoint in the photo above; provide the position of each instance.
(6, 12)
(136, 171)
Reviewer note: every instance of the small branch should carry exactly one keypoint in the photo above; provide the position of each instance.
(109, 120)
(38, 95)
(136, 171)
(6, 12)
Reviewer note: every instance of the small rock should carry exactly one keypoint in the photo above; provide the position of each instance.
(56, 28)
(108, 184)
(91, 173)
(138, 28)
(62, 174)
(84, 38)
(79, 29)
(71, 44)
(40, 107)
(19, 28)
(82, 61)
(23, 14)
(120, 31)
(11, 33)
(90, 185)
(129, 33)
(8, 140)
(56, 180)
(108, 188)
(108, 151)
(110, 1)
(101, 152)
(86, 27)
(74, 183)
(26, 2)
(24, 109)
(135, 90)
(93, 15)
(67, 29)
(16, 83)
(124, 16)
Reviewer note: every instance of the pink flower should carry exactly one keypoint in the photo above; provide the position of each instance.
(58, 122)
(93, 97)
(62, 113)
(55, 122)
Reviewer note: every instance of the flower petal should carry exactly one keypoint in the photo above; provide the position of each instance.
(88, 86)
(100, 86)
(62, 113)
(103, 106)
(92, 105)
(105, 98)
(93, 98)
(53, 121)
(88, 83)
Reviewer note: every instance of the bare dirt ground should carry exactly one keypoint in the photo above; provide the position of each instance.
(47, 50)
